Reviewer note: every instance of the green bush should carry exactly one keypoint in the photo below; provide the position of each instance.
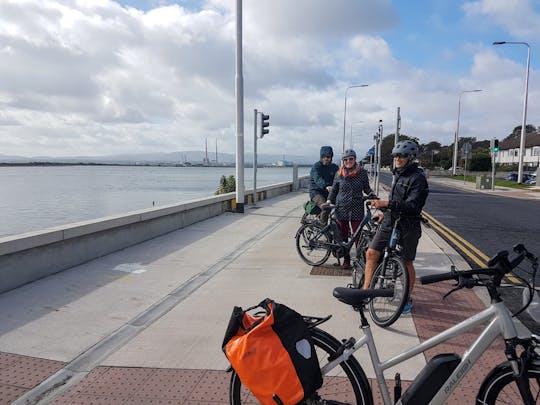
(226, 185)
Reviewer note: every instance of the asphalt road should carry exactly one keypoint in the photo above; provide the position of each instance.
(483, 224)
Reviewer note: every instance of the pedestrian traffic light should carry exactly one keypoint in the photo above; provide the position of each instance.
(495, 145)
(264, 124)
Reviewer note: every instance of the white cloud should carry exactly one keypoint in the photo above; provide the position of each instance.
(518, 17)
(95, 78)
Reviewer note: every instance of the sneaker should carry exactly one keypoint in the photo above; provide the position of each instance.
(408, 306)
(346, 265)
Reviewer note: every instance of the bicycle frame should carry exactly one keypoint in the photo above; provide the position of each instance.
(347, 246)
(500, 323)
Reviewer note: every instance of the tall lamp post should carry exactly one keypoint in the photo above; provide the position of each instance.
(524, 122)
(345, 110)
(456, 138)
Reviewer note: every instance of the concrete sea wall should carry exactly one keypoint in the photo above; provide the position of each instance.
(30, 256)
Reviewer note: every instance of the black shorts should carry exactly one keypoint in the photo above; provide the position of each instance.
(408, 240)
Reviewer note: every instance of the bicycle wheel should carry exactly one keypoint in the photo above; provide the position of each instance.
(385, 311)
(313, 244)
(500, 386)
(346, 384)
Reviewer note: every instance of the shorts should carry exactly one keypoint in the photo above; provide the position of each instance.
(408, 240)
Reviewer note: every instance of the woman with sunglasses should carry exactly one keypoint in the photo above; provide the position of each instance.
(349, 184)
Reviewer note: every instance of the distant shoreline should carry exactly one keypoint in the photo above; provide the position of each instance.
(22, 164)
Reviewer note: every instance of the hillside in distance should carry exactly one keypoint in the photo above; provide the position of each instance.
(193, 157)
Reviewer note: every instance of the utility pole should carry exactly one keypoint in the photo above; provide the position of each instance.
(398, 127)
(380, 136)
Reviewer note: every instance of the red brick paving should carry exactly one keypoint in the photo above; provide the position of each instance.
(123, 385)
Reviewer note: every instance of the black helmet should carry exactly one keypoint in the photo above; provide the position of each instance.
(327, 151)
(405, 148)
(349, 153)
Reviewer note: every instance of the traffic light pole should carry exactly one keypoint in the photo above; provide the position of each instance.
(255, 156)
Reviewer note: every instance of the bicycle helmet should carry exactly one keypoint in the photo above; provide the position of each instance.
(349, 153)
(405, 148)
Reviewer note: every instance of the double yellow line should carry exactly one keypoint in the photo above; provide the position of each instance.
(467, 248)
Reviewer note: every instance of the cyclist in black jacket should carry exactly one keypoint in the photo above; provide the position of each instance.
(407, 198)
(321, 179)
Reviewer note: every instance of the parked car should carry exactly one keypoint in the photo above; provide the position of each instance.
(531, 179)
(528, 178)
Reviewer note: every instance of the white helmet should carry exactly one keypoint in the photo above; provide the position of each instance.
(405, 148)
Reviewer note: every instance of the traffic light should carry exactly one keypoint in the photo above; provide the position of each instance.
(264, 124)
(495, 145)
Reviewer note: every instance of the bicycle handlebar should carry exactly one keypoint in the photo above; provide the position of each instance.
(499, 265)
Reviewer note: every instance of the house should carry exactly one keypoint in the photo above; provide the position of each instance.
(509, 151)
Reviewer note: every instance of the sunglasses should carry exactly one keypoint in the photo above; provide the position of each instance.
(327, 157)
(349, 159)
(400, 156)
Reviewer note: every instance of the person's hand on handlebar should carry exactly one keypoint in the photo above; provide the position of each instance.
(377, 204)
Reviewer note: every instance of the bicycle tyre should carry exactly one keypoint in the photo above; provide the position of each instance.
(500, 387)
(385, 311)
(313, 244)
(345, 384)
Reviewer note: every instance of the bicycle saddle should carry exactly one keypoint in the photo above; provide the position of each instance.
(357, 297)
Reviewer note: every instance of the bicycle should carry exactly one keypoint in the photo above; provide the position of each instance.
(315, 241)
(345, 382)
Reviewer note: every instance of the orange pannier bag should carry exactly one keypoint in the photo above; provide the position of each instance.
(273, 354)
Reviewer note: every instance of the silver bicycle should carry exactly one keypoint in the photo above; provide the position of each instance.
(516, 380)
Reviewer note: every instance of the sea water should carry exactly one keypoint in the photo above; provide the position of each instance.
(38, 197)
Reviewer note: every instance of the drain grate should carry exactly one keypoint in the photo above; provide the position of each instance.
(330, 270)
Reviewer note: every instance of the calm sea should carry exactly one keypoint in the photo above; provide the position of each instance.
(36, 197)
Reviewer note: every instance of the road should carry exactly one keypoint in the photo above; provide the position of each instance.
(478, 225)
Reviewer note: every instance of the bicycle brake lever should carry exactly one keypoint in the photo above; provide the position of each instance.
(462, 282)
(451, 291)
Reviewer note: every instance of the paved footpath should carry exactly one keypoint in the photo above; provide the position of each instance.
(144, 325)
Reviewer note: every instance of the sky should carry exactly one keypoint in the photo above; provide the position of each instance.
(104, 77)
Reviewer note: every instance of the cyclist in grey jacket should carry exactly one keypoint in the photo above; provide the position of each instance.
(349, 184)
(407, 198)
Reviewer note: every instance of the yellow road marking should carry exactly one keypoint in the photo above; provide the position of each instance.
(466, 247)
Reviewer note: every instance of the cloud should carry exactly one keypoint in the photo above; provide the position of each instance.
(518, 17)
(99, 77)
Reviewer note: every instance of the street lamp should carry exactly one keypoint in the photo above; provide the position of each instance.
(524, 123)
(456, 138)
(345, 110)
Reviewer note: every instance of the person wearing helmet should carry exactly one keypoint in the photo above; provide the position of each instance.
(321, 178)
(406, 200)
(349, 184)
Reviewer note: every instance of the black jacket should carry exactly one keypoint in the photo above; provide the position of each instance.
(321, 176)
(408, 196)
